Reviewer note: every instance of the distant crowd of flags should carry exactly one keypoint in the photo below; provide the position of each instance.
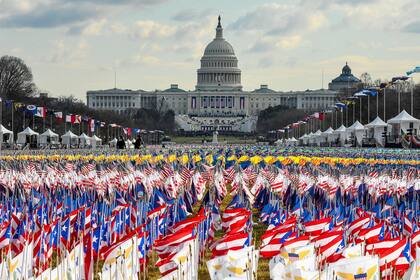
(350, 101)
(77, 218)
(72, 119)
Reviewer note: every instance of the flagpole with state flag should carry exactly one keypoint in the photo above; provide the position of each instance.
(1, 122)
(409, 73)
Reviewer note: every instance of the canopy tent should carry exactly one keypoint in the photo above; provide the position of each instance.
(356, 126)
(375, 130)
(304, 139)
(357, 130)
(317, 137)
(48, 136)
(27, 136)
(113, 142)
(292, 141)
(311, 138)
(402, 122)
(328, 136)
(342, 134)
(5, 132)
(84, 140)
(69, 138)
(278, 142)
(95, 140)
(129, 144)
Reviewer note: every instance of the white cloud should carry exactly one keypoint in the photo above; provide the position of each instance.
(289, 42)
(62, 13)
(145, 60)
(148, 29)
(68, 53)
(380, 14)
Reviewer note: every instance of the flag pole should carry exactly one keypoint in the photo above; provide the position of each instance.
(412, 96)
(13, 136)
(399, 98)
(384, 104)
(1, 122)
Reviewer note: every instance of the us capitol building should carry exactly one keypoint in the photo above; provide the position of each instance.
(218, 101)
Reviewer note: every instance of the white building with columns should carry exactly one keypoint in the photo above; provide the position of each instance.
(218, 100)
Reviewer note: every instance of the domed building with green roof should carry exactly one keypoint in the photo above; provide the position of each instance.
(346, 81)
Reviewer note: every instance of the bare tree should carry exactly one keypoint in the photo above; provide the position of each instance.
(366, 79)
(16, 79)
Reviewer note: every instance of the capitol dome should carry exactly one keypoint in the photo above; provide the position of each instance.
(219, 65)
(219, 46)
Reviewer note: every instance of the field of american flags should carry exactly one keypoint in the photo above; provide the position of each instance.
(195, 212)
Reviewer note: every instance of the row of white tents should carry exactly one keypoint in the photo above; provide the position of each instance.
(358, 132)
(28, 136)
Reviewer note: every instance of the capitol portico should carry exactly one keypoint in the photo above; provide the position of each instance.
(218, 101)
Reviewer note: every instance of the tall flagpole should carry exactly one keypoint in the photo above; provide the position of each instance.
(12, 126)
(399, 99)
(347, 115)
(1, 122)
(377, 104)
(354, 110)
(332, 119)
(385, 104)
(412, 96)
(336, 117)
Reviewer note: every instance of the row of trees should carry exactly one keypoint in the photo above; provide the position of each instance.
(16, 85)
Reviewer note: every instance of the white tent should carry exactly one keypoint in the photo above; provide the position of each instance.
(95, 140)
(311, 138)
(84, 140)
(328, 136)
(48, 136)
(317, 136)
(404, 121)
(356, 126)
(278, 142)
(292, 141)
(113, 142)
(342, 134)
(69, 138)
(28, 135)
(129, 144)
(5, 131)
(357, 130)
(375, 130)
(304, 139)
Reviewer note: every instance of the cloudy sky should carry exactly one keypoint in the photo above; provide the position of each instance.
(74, 46)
